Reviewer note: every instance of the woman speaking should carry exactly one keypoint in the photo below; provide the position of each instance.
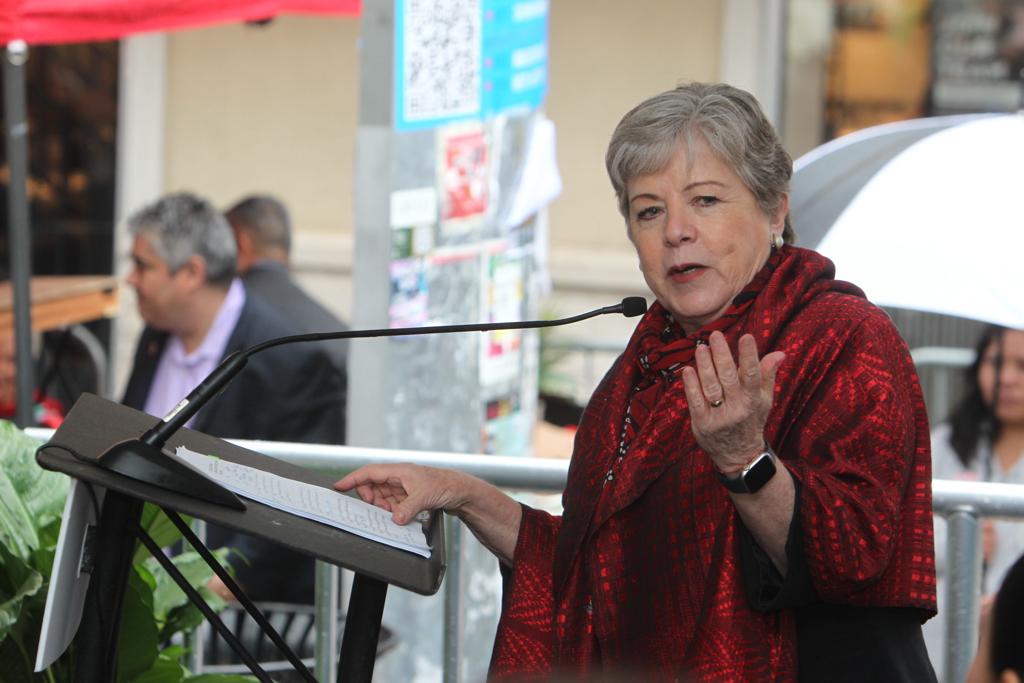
(749, 496)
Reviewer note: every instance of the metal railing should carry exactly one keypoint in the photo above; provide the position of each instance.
(963, 503)
(586, 361)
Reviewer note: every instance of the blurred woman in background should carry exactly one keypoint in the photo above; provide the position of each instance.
(983, 440)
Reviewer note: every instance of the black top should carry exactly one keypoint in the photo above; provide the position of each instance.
(835, 643)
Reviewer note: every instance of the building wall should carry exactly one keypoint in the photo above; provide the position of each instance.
(809, 40)
(604, 60)
(274, 109)
(267, 108)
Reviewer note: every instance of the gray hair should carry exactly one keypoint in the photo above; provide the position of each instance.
(265, 219)
(183, 224)
(729, 120)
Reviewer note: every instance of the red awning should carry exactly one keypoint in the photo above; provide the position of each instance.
(68, 21)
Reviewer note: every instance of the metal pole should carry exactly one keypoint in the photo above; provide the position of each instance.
(362, 630)
(515, 473)
(17, 213)
(326, 620)
(196, 640)
(97, 638)
(200, 603)
(248, 605)
(964, 587)
(453, 621)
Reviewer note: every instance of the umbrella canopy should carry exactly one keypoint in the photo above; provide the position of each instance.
(64, 21)
(937, 225)
(828, 177)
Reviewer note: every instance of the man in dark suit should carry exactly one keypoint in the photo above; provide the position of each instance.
(196, 313)
(263, 233)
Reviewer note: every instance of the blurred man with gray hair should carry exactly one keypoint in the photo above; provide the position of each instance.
(197, 312)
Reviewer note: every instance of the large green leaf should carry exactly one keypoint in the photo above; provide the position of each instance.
(31, 502)
(41, 491)
(171, 605)
(17, 582)
(159, 527)
(168, 595)
(166, 669)
(30, 497)
(42, 557)
(186, 617)
(19, 617)
(174, 651)
(10, 609)
(17, 531)
(138, 645)
(221, 678)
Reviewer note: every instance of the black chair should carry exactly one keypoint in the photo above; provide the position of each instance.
(294, 622)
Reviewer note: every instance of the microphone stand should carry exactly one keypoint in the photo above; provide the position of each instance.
(143, 459)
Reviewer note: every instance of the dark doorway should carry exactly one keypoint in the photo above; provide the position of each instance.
(72, 95)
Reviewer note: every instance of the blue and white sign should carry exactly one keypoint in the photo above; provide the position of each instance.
(461, 60)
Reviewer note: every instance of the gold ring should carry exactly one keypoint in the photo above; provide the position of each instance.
(717, 402)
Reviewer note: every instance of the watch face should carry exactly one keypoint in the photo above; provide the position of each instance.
(760, 472)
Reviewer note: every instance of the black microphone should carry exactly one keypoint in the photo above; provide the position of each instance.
(143, 458)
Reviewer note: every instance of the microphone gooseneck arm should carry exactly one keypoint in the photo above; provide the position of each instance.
(214, 382)
(630, 307)
(210, 386)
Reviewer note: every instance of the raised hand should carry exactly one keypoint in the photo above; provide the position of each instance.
(729, 404)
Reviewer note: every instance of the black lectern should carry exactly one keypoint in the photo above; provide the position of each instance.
(94, 424)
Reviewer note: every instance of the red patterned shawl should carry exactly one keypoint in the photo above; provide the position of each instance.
(641, 572)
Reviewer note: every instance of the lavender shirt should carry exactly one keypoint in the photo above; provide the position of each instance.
(178, 373)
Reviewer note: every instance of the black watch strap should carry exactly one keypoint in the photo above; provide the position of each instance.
(756, 474)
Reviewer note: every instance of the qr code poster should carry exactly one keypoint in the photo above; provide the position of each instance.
(438, 62)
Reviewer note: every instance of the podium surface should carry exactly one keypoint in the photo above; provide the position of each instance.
(94, 424)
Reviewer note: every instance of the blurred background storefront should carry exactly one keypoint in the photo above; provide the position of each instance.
(851, 64)
(271, 106)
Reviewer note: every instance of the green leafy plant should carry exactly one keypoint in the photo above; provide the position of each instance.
(156, 612)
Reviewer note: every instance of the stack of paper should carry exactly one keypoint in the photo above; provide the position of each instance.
(310, 501)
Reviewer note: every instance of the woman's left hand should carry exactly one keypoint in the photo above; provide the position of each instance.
(729, 404)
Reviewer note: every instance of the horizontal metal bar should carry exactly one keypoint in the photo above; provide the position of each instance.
(548, 475)
(986, 499)
(508, 472)
(942, 355)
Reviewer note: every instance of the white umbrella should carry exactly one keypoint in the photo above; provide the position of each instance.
(940, 226)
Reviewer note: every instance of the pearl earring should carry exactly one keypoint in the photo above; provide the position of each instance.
(776, 241)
